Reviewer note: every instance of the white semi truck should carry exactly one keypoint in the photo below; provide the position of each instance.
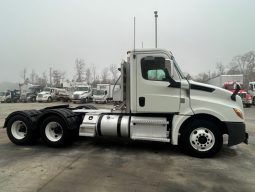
(159, 104)
(104, 93)
(82, 94)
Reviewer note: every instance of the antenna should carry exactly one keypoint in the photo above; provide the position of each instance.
(134, 33)
(156, 35)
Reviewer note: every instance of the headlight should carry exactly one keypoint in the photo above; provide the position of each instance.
(238, 112)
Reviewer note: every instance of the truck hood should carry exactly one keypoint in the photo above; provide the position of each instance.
(98, 96)
(209, 91)
(80, 92)
(210, 99)
(45, 93)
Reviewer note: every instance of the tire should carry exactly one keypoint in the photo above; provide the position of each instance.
(49, 100)
(84, 100)
(20, 132)
(55, 133)
(247, 105)
(201, 138)
(253, 100)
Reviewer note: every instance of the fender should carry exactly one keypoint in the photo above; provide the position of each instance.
(31, 115)
(71, 119)
(176, 125)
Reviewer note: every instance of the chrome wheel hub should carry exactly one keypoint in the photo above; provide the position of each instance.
(202, 139)
(19, 130)
(54, 131)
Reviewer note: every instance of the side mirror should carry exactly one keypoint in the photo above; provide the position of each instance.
(238, 87)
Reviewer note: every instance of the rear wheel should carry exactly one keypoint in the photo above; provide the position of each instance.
(20, 132)
(247, 105)
(49, 100)
(54, 132)
(201, 138)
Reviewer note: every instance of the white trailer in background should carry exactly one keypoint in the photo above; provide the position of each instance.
(105, 92)
(221, 79)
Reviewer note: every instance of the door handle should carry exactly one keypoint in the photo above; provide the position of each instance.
(141, 101)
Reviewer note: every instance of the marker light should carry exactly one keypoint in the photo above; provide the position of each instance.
(238, 113)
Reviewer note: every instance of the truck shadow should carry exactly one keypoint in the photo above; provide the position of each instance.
(135, 146)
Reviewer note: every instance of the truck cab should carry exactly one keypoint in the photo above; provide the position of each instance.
(82, 94)
(246, 97)
(3, 95)
(47, 95)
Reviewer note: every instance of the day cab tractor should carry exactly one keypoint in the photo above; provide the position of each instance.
(246, 97)
(10, 96)
(158, 104)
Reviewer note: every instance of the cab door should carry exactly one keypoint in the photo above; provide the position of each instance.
(155, 92)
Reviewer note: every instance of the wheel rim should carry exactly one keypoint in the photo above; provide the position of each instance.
(202, 139)
(54, 131)
(19, 130)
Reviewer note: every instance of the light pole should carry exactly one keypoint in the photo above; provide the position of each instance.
(156, 20)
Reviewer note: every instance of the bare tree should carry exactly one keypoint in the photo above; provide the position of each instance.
(114, 71)
(58, 77)
(32, 76)
(88, 75)
(202, 77)
(220, 68)
(246, 65)
(94, 72)
(24, 75)
(104, 75)
(80, 69)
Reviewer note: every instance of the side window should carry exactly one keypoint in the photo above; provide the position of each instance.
(153, 68)
(156, 75)
(251, 87)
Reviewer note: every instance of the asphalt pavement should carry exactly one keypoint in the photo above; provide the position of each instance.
(106, 164)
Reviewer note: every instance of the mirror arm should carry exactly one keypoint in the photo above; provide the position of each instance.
(173, 83)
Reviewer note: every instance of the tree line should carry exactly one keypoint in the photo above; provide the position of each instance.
(83, 73)
(240, 64)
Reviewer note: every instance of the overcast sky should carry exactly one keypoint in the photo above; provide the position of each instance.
(39, 34)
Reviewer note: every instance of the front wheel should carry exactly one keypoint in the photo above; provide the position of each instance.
(247, 105)
(201, 138)
(54, 132)
(49, 100)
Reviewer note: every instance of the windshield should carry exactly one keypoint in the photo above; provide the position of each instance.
(2, 93)
(47, 89)
(178, 68)
(100, 92)
(82, 89)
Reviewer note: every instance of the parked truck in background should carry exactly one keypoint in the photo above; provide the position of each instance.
(246, 97)
(251, 91)
(10, 96)
(221, 79)
(47, 95)
(104, 93)
(3, 95)
(29, 92)
(82, 94)
(159, 104)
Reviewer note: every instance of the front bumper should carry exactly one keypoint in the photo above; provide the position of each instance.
(42, 99)
(236, 133)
